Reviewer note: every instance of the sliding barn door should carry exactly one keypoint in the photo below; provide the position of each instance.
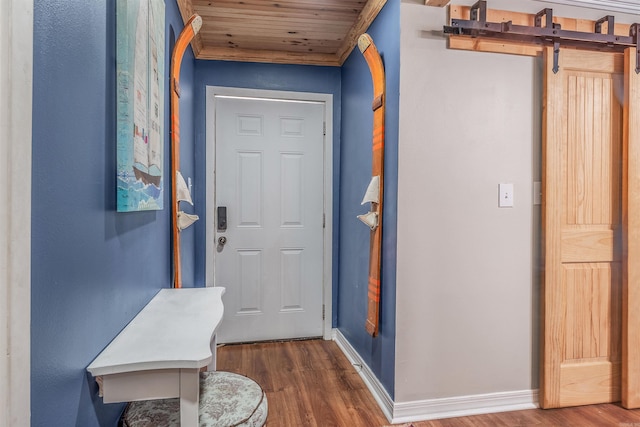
(631, 236)
(582, 229)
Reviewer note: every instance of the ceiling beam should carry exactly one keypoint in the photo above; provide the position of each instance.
(186, 11)
(436, 3)
(366, 17)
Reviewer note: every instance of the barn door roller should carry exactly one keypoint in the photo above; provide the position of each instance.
(548, 34)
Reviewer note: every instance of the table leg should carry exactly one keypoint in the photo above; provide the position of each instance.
(214, 347)
(189, 397)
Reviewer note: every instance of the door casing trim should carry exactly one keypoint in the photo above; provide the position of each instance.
(16, 116)
(210, 253)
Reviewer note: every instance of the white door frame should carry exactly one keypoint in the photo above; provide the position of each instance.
(16, 86)
(210, 252)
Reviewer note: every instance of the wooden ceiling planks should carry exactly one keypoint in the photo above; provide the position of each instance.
(312, 32)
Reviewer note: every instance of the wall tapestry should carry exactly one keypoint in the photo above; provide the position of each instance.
(140, 47)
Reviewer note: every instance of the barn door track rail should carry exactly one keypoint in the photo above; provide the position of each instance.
(548, 34)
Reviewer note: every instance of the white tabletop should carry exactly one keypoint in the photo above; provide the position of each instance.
(173, 331)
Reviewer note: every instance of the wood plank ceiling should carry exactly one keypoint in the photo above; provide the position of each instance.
(313, 32)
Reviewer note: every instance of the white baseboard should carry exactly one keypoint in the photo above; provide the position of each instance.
(431, 409)
(462, 406)
(374, 385)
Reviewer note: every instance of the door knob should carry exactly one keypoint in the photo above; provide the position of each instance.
(222, 241)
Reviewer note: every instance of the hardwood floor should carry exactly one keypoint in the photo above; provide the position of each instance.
(311, 383)
(308, 383)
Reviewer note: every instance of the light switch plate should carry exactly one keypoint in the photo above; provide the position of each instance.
(505, 192)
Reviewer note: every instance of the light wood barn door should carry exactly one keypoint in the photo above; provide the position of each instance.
(631, 236)
(582, 229)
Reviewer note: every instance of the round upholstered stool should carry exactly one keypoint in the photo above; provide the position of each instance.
(226, 400)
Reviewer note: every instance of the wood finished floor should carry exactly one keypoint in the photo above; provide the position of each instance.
(311, 383)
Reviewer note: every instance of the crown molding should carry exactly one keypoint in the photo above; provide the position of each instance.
(625, 6)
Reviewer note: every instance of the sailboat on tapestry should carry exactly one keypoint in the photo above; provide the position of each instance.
(140, 104)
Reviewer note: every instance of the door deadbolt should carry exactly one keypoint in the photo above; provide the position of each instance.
(222, 241)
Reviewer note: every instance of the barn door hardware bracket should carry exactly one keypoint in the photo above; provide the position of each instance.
(548, 34)
(634, 31)
(556, 56)
(610, 20)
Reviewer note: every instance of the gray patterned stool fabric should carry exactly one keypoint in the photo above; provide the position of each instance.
(226, 400)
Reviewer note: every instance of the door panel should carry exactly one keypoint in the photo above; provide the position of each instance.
(582, 218)
(269, 175)
(631, 235)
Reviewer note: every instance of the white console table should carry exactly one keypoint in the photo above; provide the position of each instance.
(160, 353)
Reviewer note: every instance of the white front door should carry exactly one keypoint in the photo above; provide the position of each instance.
(269, 182)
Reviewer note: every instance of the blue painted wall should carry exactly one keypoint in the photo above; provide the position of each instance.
(269, 77)
(355, 158)
(92, 269)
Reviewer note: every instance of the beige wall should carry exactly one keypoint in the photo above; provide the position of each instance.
(467, 276)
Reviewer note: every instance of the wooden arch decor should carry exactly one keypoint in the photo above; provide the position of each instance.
(374, 192)
(189, 31)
